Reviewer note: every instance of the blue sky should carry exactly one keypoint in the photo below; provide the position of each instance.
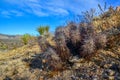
(24, 16)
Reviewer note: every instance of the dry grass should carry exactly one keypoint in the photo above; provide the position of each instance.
(108, 22)
(19, 52)
(12, 64)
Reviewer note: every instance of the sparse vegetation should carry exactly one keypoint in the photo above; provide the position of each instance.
(43, 30)
(26, 38)
(45, 39)
(3, 46)
(81, 39)
(77, 48)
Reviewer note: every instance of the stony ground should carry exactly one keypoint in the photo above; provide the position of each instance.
(12, 65)
(104, 66)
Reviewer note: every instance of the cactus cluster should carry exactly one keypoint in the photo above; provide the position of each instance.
(79, 40)
(50, 60)
(71, 40)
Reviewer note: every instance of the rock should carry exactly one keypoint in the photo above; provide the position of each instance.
(105, 75)
(102, 64)
(76, 65)
(94, 69)
(117, 76)
(111, 73)
(115, 67)
(111, 78)
(95, 77)
(73, 77)
(74, 59)
(106, 66)
(41, 78)
(7, 78)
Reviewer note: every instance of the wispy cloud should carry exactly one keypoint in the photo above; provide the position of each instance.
(51, 7)
(10, 13)
(75, 6)
(5, 14)
(16, 13)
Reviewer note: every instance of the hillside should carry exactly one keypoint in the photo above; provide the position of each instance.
(78, 51)
(6, 36)
(12, 62)
(15, 64)
(10, 41)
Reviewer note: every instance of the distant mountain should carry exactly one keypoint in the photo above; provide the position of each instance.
(8, 42)
(6, 36)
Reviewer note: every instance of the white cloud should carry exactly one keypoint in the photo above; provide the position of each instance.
(34, 1)
(5, 14)
(75, 6)
(53, 7)
(10, 13)
(58, 11)
(15, 12)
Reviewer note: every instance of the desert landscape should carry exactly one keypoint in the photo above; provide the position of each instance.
(82, 49)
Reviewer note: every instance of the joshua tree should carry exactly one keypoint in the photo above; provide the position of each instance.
(47, 29)
(40, 30)
(43, 30)
(42, 39)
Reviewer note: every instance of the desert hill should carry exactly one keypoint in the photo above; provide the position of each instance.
(88, 51)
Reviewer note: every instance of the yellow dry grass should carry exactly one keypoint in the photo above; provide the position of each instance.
(11, 62)
(24, 50)
(19, 51)
(107, 22)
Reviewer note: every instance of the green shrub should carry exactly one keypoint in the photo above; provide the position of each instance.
(4, 47)
(47, 29)
(26, 38)
(43, 30)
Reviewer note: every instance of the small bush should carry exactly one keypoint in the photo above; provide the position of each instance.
(43, 30)
(26, 38)
(3, 47)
